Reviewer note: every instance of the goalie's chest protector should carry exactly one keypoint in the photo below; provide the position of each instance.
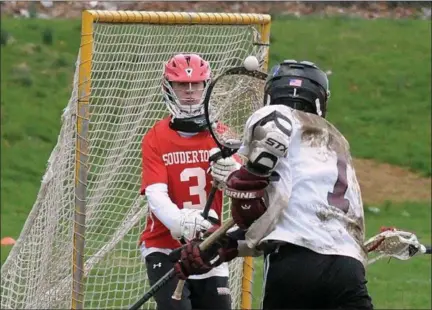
(185, 163)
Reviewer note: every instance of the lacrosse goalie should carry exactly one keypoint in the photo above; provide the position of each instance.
(310, 223)
(175, 161)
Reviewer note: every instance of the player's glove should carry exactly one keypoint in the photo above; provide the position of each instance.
(191, 222)
(191, 260)
(225, 247)
(221, 168)
(246, 191)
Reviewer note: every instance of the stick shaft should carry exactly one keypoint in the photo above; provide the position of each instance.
(179, 289)
(154, 289)
(170, 274)
(221, 231)
(209, 201)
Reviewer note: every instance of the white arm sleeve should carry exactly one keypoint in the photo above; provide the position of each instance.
(162, 206)
(181, 222)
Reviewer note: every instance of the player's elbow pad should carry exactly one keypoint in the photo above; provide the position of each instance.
(266, 153)
(266, 141)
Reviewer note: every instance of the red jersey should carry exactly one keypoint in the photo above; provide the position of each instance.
(182, 164)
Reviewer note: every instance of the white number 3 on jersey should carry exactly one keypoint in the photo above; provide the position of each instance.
(199, 189)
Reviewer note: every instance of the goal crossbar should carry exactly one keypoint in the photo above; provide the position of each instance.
(147, 17)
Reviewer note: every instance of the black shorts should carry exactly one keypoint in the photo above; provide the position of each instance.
(209, 293)
(298, 278)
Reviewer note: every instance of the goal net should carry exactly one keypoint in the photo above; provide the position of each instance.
(78, 247)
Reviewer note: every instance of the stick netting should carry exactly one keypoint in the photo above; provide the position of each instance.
(125, 102)
(393, 243)
(233, 100)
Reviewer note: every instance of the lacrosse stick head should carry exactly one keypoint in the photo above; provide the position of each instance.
(394, 243)
(231, 99)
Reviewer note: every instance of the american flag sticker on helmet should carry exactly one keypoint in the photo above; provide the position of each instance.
(295, 82)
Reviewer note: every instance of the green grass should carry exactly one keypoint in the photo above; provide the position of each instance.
(380, 82)
(30, 114)
(381, 94)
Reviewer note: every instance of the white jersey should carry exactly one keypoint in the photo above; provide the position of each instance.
(319, 196)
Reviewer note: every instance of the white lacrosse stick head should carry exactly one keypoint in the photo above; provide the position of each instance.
(394, 243)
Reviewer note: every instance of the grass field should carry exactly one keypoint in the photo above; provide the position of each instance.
(381, 94)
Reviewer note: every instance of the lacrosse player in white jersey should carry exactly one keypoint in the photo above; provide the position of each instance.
(310, 223)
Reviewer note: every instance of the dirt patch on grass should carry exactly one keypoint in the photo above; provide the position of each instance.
(383, 182)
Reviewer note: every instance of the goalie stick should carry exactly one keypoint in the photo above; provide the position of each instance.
(246, 90)
(219, 113)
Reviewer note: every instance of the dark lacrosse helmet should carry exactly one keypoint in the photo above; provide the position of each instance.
(300, 85)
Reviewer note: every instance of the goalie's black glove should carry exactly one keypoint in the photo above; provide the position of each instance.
(191, 260)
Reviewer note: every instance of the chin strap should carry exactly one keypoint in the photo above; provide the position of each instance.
(190, 124)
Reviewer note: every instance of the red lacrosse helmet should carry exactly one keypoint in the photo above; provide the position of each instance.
(194, 74)
(187, 68)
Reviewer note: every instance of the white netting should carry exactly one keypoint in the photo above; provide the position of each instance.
(125, 102)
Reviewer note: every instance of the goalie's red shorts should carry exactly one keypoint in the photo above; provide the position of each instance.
(298, 278)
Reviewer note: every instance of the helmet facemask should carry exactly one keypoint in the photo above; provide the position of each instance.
(185, 99)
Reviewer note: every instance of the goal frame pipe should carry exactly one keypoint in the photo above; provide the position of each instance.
(81, 161)
(89, 17)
